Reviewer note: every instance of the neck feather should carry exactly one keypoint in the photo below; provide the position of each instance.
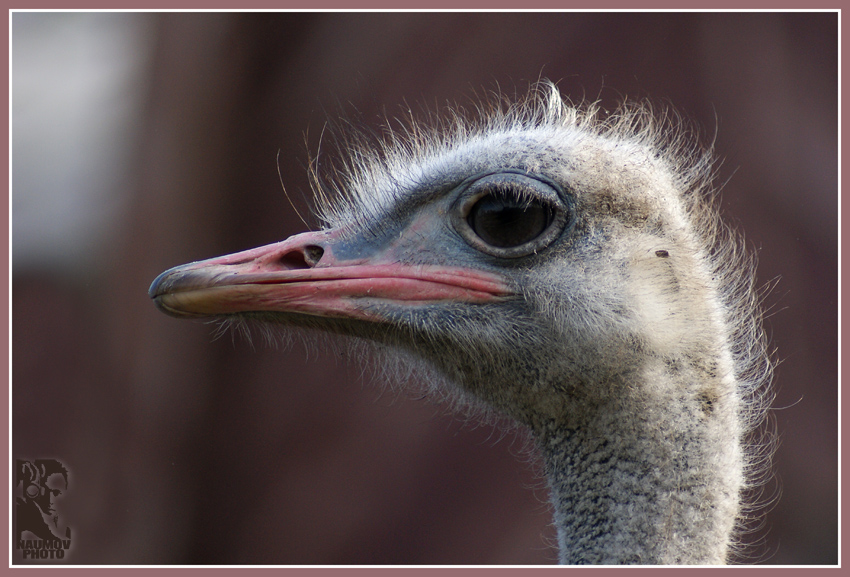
(652, 476)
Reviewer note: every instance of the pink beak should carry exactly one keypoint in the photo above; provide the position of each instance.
(301, 275)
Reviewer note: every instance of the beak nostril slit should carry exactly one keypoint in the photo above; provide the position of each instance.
(293, 260)
(313, 254)
(306, 257)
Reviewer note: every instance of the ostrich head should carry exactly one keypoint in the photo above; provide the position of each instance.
(561, 268)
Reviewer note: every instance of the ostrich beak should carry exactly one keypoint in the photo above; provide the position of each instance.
(302, 275)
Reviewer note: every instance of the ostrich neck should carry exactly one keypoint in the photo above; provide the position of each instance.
(647, 477)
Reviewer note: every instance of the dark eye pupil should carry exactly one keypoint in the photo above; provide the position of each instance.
(502, 220)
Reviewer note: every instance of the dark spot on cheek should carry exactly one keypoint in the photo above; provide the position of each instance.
(662, 253)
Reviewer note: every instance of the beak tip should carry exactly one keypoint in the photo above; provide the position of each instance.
(153, 291)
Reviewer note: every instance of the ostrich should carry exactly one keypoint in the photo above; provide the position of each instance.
(562, 267)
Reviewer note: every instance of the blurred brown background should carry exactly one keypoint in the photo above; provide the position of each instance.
(143, 141)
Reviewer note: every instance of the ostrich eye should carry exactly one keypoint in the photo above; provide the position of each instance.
(510, 215)
(503, 220)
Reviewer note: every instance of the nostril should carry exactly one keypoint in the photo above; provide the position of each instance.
(313, 254)
(293, 260)
(306, 257)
